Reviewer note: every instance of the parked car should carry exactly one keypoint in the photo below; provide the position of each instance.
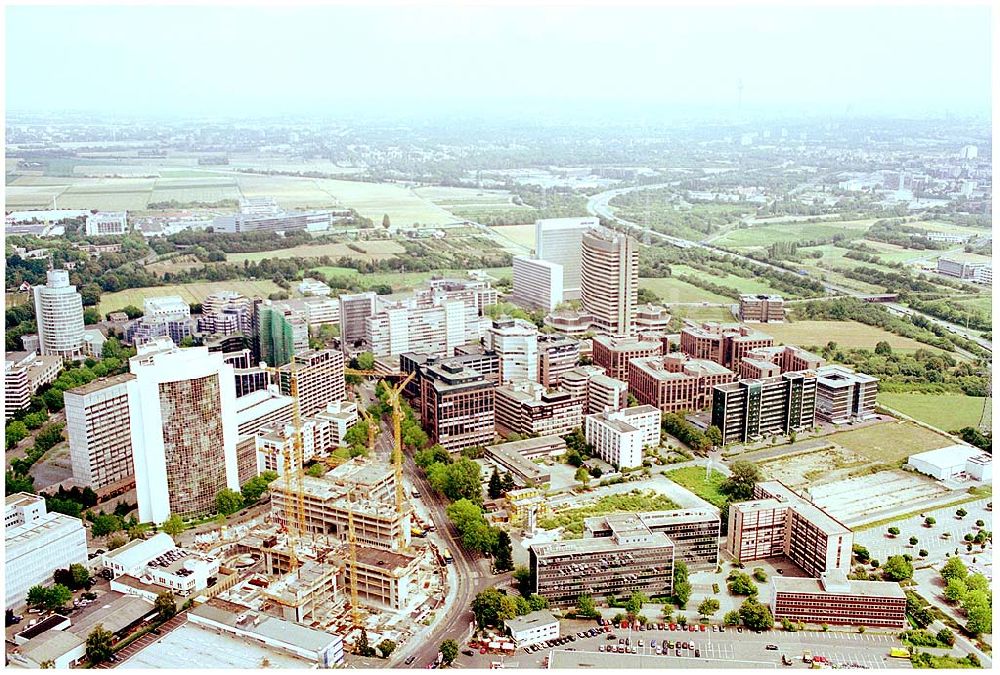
(410, 659)
(772, 648)
(697, 653)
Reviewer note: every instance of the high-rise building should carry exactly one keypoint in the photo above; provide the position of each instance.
(762, 308)
(100, 435)
(456, 405)
(771, 361)
(354, 309)
(749, 410)
(282, 332)
(436, 327)
(59, 316)
(515, 342)
(725, 344)
(319, 379)
(676, 382)
(615, 353)
(694, 532)
(24, 374)
(619, 437)
(843, 395)
(599, 392)
(538, 284)
(557, 356)
(477, 292)
(528, 409)
(558, 240)
(226, 313)
(182, 405)
(609, 281)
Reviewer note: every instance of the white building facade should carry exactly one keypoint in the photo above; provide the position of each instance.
(538, 284)
(59, 315)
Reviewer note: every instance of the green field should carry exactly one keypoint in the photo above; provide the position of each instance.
(983, 302)
(742, 284)
(193, 292)
(761, 236)
(402, 280)
(845, 333)
(571, 520)
(673, 290)
(699, 313)
(891, 442)
(693, 478)
(374, 250)
(944, 411)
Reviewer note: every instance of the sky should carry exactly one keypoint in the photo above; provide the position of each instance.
(260, 60)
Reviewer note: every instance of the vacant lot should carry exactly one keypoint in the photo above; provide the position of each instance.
(571, 520)
(673, 290)
(944, 411)
(374, 250)
(804, 468)
(761, 236)
(194, 292)
(891, 442)
(845, 333)
(693, 478)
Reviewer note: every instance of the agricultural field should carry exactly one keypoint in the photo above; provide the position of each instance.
(848, 334)
(373, 200)
(458, 196)
(983, 302)
(522, 235)
(693, 478)
(762, 236)
(374, 250)
(944, 411)
(891, 442)
(742, 284)
(400, 281)
(673, 290)
(187, 190)
(191, 293)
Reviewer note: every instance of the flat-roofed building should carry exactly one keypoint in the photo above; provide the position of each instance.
(600, 392)
(619, 437)
(386, 578)
(24, 374)
(631, 559)
(778, 522)
(473, 356)
(514, 458)
(319, 379)
(771, 361)
(341, 416)
(843, 395)
(650, 318)
(515, 341)
(532, 628)
(528, 408)
(457, 405)
(100, 436)
(435, 327)
(723, 343)
(834, 599)
(694, 533)
(166, 307)
(569, 322)
(762, 308)
(609, 281)
(158, 561)
(615, 353)
(954, 462)
(538, 284)
(558, 240)
(557, 355)
(749, 410)
(355, 308)
(105, 223)
(676, 382)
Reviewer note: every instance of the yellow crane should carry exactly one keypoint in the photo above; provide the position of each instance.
(295, 512)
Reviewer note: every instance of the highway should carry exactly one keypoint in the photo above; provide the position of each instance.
(599, 205)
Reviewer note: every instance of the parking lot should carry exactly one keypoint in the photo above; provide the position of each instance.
(868, 650)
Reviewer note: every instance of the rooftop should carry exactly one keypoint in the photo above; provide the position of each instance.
(881, 589)
(50, 645)
(98, 385)
(952, 455)
(542, 617)
(118, 612)
(782, 494)
(528, 444)
(388, 560)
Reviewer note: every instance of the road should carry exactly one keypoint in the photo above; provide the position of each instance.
(599, 205)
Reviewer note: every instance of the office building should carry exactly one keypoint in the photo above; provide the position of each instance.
(166, 307)
(559, 240)
(556, 356)
(528, 408)
(762, 308)
(515, 342)
(159, 562)
(100, 436)
(340, 417)
(765, 362)
(475, 291)
(777, 522)
(693, 532)
(599, 392)
(843, 395)
(104, 223)
(24, 374)
(609, 281)
(263, 213)
(650, 318)
(516, 458)
(309, 286)
(59, 317)
(619, 437)
(147, 329)
(962, 269)
(182, 406)
(436, 328)
(614, 353)
(834, 599)
(725, 344)
(456, 405)
(749, 410)
(226, 313)
(532, 628)
(36, 544)
(319, 379)
(569, 322)
(256, 412)
(631, 559)
(385, 578)
(474, 357)
(282, 332)
(676, 382)
(538, 284)
(354, 310)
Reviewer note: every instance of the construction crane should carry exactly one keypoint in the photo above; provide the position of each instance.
(295, 516)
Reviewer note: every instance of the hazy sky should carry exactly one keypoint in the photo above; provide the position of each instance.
(265, 60)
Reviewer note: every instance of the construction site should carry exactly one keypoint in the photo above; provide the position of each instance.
(334, 553)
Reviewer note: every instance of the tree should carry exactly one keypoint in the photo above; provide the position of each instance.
(929, 521)
(755, 616)
(165, 605)
(977, 582)
(731, 618)
(492, 606)
(922, 553)
(228, 501)
(585, 607)
(740, 484)
(980, 523)
(255, 488)
(714, 434)
(883, 348)
(861, 553)
(362, 647)
(708, 607)
(16, 432)
(105, 524)
(80, 575)
(913, 541)
(366, 361)
(449, 651)
(634, 604)
(946, 636)
(955, 590)
(436, 454)
(91, 316)
(682, 593)
(893, 531)
(508, 483)
(503, 558)
(897, 568)
(386, 647)
(680, 572)
(582, 475)
(979, 614)
(100, 644)
(741, 584)
(961, 513)
(186, 341)
(537, 602)
(954, 569)
(173, 525)
(495, 488)
(523, 580)
(385, 221)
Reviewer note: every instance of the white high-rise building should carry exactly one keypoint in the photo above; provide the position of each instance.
(538, 284)
(610, 281)
(410, 325)
(619, 437)
(59, 315)
(516, 343)
(182, 405)
(558, 240)
(36, 544)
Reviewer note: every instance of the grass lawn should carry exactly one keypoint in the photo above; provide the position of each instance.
(693, 478)
(519, 234)
(374, 250)
(572, 519)
(944, 411)
(673, 290)
(193, 292)
(849, 334)
(742, 284)
(761, 236)
(404, 280)
(891, 442)
(696, 313)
